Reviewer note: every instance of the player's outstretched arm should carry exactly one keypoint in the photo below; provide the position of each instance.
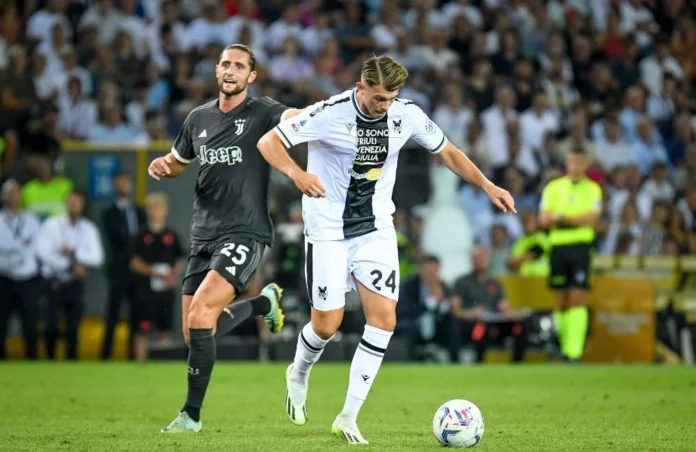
(167, 166)
(273, 150)
(459, 163)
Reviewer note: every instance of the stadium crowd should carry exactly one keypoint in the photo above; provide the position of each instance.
(516, 84)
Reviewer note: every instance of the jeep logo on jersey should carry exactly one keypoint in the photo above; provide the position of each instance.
(230, 155)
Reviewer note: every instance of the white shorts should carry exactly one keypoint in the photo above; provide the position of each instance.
(330, 266)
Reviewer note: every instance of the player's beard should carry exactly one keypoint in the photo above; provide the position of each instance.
(237, 88)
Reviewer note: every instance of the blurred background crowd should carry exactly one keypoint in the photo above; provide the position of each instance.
(515, 84)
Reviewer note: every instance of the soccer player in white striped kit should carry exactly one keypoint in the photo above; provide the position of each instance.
(354, 140)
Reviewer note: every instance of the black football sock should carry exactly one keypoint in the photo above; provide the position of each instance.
(200, 366)
(236, 313)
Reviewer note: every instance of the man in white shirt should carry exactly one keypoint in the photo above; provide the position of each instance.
(653, 68)
(496, 121)
(41, 22)
(67, 246)
(354, 140)
(453, 117)
(612, 150)
(538, 121)
(20, 283)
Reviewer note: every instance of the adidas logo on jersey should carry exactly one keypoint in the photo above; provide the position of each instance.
(203, 134)
(230, 155)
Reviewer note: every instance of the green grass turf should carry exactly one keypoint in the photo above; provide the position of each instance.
(534, 408)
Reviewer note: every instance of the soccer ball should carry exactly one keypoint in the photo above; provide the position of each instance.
(458, 423)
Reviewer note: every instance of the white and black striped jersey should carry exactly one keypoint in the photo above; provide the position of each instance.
(355, 157)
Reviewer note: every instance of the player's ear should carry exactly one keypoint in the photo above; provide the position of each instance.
(359, 85)
(252, 76)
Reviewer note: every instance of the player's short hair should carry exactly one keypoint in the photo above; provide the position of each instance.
(243, 48)
(384, 71)
(156, 198)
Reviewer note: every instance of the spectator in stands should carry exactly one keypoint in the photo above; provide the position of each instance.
(647, 150)
(687, 206)
(45, 196)
(683, 136)
(484, 313)
(662, 106)
(529, 255)
(656, 66)
(577, 139)
(632, 112)
(452, 116)
(537, 122)
(17, 91)
(496, 122)
(290, 66)
(424, 311)
(20, 282)
(123, 221)
(105, 18)
(655, 230)
(683, 240)
(657, 187)
(627, 225)
(78, 114)
(41, 22)
(112, 129)
(686, 173)
(158, 261)
(67, 246)
(612, 150)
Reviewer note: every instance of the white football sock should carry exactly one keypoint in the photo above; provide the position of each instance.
(309, 349)
(363, 370)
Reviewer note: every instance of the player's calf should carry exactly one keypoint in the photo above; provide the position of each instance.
(380, 313)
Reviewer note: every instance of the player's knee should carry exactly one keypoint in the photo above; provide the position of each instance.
(325, 324)
(201, 315)
(384, 321)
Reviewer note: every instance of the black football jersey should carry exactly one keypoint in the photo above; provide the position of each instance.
(231, 197)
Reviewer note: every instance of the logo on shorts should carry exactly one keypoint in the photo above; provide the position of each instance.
(580, 276)
(323, 292)
(365, 378)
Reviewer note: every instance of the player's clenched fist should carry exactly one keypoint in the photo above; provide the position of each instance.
(310, 185)
(159, 168)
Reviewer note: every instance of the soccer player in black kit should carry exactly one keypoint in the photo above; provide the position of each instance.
(231, 225)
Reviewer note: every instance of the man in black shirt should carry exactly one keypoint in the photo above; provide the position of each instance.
(157, 260)
(231, 225)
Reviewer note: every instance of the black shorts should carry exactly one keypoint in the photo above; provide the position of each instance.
(236, 259)
(154, 310)
(570, 266)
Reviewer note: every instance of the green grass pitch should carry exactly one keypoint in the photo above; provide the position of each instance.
(114, 406)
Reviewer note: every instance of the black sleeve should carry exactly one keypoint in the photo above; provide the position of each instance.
(183, 145)
(461, 289)
(274, 110)
(139, 246)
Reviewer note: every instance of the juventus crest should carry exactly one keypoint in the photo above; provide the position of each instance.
(240, 126)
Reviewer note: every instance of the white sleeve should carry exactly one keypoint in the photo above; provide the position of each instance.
(424, 131)
(310, 125)
(91, 253)
(48, 247)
